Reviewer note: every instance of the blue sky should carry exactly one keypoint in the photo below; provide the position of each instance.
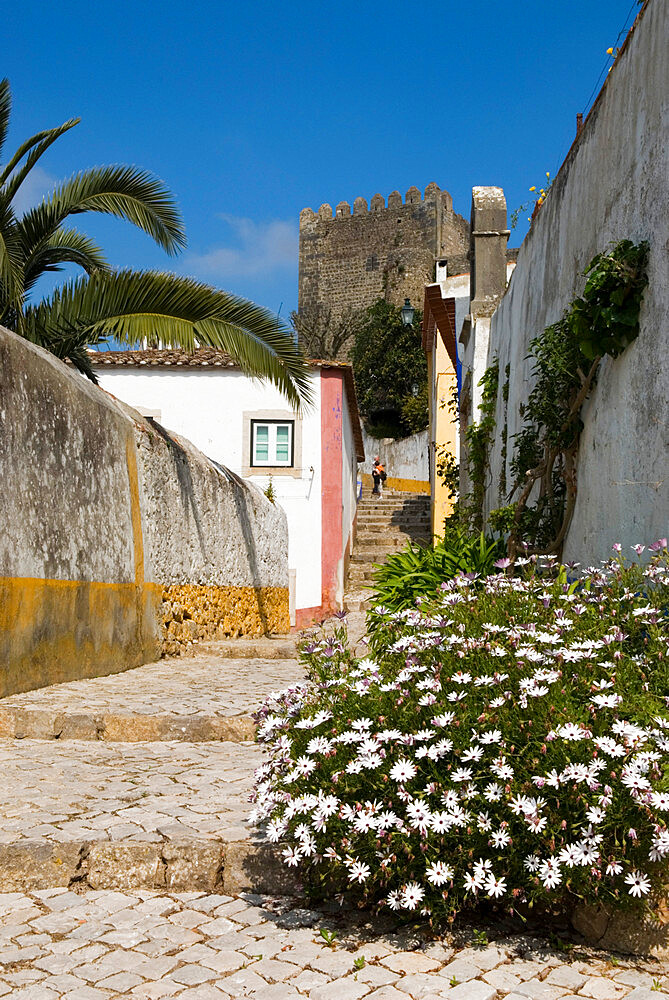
(251, 111)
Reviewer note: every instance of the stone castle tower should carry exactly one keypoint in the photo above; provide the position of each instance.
(381, 251)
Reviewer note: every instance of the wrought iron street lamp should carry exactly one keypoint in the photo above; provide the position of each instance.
(407, 313)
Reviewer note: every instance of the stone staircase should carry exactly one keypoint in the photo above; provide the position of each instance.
(385, 525)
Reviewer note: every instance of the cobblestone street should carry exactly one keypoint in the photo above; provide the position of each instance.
(97, 945)
(129, 869)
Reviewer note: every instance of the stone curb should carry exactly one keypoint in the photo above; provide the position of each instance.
(252, 649)
(42, 724)
(209, 866)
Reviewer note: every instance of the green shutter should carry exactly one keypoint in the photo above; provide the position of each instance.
(261, 449)
(283, 444)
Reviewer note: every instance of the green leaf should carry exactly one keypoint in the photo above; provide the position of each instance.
(151, 306)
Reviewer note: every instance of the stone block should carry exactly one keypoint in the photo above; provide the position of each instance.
(37, 865)
(124, 866)
(257, 868)
(629, 933)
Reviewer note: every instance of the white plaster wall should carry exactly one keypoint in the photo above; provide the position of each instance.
(349, 478)
(404, 458)
(613, 185)
(206, 407)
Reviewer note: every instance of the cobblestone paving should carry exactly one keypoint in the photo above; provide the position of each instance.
(204, 684)
(95, 945)
(81, 790)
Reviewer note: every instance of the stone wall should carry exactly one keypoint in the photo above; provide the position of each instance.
(612, 185)
(405, 459)
(378, 251)
(109, 525)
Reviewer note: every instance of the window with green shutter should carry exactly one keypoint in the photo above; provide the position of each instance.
(272, 443)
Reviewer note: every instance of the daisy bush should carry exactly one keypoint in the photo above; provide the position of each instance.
(507, 741)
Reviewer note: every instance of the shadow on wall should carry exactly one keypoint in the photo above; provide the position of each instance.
(184, 477)
(240, 497)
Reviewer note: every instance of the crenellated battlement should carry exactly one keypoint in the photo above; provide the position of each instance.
(432, 194)
(384, 248)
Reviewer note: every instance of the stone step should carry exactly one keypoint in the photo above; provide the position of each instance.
(399, 519)
(393, 539)
(376, 528)
(196, 699)
(371, 503)
(358, 601)
(147, 815)
(373, 553)
(394, 504)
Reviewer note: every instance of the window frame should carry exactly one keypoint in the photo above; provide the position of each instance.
(271, 462)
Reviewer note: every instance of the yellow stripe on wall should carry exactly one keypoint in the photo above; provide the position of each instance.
(399, 485)
(60, 630)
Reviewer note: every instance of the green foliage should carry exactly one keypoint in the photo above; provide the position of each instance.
(501, 520)
(415, 572)
(389, 367)
(603, 321)
(130, 306)
(270, 492)
(415, 414)
(479, 437)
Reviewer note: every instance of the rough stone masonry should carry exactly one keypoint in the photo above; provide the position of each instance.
(379, 251)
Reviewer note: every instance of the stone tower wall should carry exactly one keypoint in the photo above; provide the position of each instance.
(352, 258)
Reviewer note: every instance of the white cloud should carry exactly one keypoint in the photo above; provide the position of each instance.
(35, 186)
(254, 249)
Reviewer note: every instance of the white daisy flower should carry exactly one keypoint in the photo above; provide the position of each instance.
(403, 771)
(439, 873)
(411, 896)
(494, 887)
(639, 884)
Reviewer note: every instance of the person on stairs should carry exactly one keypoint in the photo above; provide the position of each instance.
(379, 476)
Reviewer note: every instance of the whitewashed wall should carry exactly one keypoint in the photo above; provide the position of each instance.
(207, 408)
(349, 491)
(404, 458)
(613, 185)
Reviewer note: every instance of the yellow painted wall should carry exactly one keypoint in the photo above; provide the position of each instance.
(442, 429)
(398, 485)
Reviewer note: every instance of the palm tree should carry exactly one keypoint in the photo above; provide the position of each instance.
(130, 306)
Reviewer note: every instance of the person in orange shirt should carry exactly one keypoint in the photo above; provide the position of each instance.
(379, 476)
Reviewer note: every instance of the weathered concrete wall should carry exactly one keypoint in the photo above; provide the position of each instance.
(406, 461)
(379, 251)
(101, 512)
(612, 185)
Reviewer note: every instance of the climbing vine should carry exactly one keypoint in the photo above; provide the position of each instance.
(479, 439)
(603, 321)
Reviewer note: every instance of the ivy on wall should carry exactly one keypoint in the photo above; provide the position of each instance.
(479, 438)
(601, 322)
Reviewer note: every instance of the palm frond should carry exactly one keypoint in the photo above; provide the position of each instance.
(125, 192)
(29, 144)
(38, 145)
(65, 246)
(5, 110)
(11, 262)
(152, 306)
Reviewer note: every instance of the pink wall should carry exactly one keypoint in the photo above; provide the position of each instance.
(332, 404)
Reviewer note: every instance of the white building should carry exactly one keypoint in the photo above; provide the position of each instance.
(248, 426)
